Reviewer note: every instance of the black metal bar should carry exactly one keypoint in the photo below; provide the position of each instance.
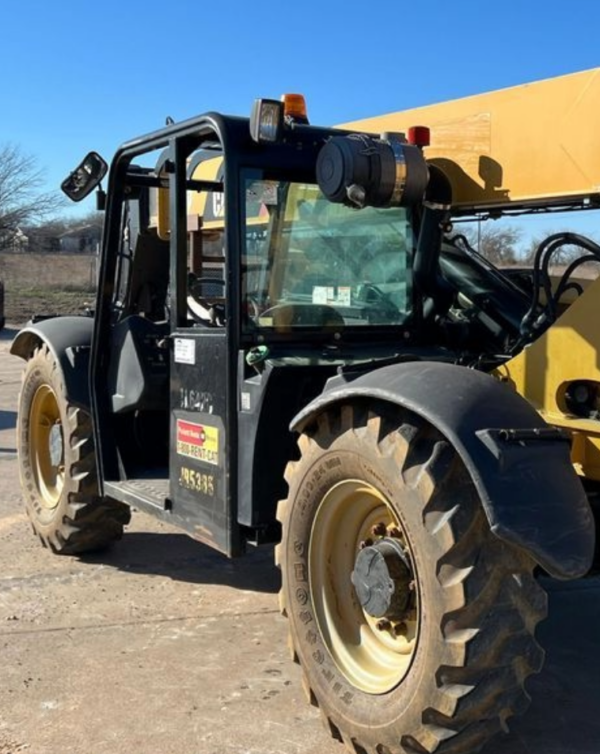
(178, 231)
(155, 181)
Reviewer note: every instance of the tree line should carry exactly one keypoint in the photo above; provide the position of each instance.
(503, 245)
(31, 217)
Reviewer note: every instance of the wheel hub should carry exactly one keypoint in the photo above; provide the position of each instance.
(373, 653)
(46, 447)
(382, 578)
(55, 445)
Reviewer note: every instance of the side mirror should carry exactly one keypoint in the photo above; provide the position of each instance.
(86, 176)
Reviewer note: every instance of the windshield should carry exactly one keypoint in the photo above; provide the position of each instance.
(311, 264)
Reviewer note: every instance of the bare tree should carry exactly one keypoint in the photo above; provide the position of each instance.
(22, 200)
(499, 244)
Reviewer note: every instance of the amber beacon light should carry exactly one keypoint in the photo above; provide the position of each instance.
(294, 108)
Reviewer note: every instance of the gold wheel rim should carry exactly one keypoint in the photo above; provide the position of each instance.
(372, 657)
(46, 452)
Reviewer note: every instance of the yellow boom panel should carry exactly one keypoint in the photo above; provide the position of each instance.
(566, 353)
(513, 146)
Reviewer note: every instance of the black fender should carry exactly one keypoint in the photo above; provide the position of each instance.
(520, 466)
(69, 340)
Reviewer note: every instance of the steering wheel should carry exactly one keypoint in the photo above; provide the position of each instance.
(200, 308)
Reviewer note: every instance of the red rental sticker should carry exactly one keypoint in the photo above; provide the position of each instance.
(198, 441)
(192, 433)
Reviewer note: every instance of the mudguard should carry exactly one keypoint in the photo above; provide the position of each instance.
(520, 466)
(69, 340)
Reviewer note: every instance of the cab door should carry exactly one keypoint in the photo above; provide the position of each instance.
(202, 422)
(199, 457)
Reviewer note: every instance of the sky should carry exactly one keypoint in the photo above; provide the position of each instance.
(80, 75)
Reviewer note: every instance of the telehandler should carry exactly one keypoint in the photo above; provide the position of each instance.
(261, 275)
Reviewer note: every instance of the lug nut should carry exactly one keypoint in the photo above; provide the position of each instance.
(395, 532)
(383, 624)
(400, 628)
(365, 543)
(379, 530)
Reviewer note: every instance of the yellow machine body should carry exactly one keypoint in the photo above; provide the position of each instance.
(524, 144)
(567, 354)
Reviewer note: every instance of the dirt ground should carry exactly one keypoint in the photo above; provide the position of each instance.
(161, 646)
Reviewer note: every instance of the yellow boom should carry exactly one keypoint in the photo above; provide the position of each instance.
(514, 146)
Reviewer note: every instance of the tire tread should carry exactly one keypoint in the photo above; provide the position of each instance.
(84, 522)
(482, 671)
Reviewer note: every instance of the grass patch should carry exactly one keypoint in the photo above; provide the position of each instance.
(20, 304)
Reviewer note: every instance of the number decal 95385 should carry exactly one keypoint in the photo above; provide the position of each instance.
(197, 481)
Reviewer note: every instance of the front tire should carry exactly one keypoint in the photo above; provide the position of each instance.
(58, 466)
(442, 665)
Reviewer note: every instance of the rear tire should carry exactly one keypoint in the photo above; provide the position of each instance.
(58, 465)
(445, 674)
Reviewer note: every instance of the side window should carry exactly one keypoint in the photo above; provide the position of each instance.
(309, 263)
(124, 261)
(206, 282)
(262, 248)
(142, 271)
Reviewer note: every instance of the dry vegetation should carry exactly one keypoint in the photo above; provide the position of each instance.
(46, 284)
